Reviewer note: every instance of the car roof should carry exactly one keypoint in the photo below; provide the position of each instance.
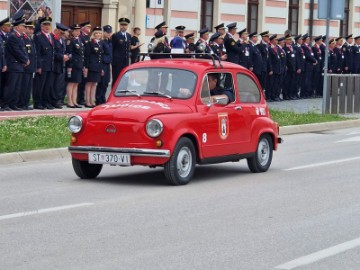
(195, 65)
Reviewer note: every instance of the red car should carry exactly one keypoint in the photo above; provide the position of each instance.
(176, 113)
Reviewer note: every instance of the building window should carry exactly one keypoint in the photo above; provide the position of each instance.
(147, 3)
(252, 16)
(344, 24)
(207, 14)
(293, 16)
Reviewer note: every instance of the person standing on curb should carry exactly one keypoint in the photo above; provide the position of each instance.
(17, 57)
(106, 66)
(121, 42)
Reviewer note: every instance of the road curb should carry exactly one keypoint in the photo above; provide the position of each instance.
(317, 127)
(61, 153)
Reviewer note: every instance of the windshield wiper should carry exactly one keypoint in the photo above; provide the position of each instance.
(128, 91)
(157, 94)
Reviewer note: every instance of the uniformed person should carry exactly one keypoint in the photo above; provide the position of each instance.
(323, 50)
(75, 65)
(60, 57)
(216, 41)
(347, 51)
(17, 58)
(106, 62)
(243, 44)
(221, 29)
(310, 62)
(332, 62)
(340, 58)
(44, 43)
(282, 53)
(160, 47)
(263, 47)
(190, 45)
(85, 38)
(356, 56)
(317, 77)
(30, 70)
(289, 91)
(5, 29)
(204, 37)
(300, 65)
(255, 56)
(273, 91)
(121, 42)
(232, 50)
(178, 42)
(93, 65)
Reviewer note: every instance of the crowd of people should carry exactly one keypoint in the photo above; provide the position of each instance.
(77, 63)
(287, 67)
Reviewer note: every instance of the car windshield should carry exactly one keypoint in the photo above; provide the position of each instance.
(161, 82)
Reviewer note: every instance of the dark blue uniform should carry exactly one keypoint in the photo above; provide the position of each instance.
(289, 91)
(264, 50)
(307, 89)
(340, 58)
(273, 91)
(84, 38)
(2, 65)
(356, 59)
(29, 72)
(317, 77)
(232, 50)
(221, 91)
(244, 56)
(45, 62)
(105, 80)
(300, 68)
(93, 60)
(16, 58)
(75, 48)
(121, 52)
(256, 60)
(282, 54)
(3, 76)
(348, 61)
(332, 63)
(59, 86)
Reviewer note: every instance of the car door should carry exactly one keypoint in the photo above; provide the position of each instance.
(222, 129)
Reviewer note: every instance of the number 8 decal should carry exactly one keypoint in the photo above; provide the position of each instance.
(204, 137)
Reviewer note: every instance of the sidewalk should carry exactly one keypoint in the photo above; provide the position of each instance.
(4, 115)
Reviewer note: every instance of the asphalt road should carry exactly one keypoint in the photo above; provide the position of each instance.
(304, 213)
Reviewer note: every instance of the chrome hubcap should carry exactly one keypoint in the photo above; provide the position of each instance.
(184, 162)
(263, 152)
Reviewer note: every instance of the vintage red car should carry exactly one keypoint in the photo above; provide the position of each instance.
(163, 113)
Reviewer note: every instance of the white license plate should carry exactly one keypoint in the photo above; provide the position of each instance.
(109, 158)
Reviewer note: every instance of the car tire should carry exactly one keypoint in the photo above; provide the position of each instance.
(180, 168)
(85, 170)
(261, 160)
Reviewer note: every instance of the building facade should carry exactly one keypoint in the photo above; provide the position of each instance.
(300, 16)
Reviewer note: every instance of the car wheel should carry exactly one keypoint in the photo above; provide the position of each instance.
(85, 170)
(181, 166)
(261, 160)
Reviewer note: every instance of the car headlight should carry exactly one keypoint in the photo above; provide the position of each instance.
(75, 124)
(154, 128)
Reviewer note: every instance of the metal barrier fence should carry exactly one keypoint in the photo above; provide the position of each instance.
(343, 93)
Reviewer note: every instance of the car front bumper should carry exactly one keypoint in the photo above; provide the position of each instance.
(136, 152)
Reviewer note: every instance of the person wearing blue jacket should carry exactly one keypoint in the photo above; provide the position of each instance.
(106, 66)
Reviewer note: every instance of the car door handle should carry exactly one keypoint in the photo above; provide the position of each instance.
(238, 108)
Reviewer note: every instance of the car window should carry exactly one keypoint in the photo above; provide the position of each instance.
(176, 83)
(248, 90)
(224, 84)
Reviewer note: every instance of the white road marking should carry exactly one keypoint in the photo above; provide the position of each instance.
(322, 164)
(45, 210)
(353, 133)
(352, 139)
(322, 254)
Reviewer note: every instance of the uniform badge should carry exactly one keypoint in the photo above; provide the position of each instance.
(68, 42)
(223, 119)
(233, 43)
(344, 49)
